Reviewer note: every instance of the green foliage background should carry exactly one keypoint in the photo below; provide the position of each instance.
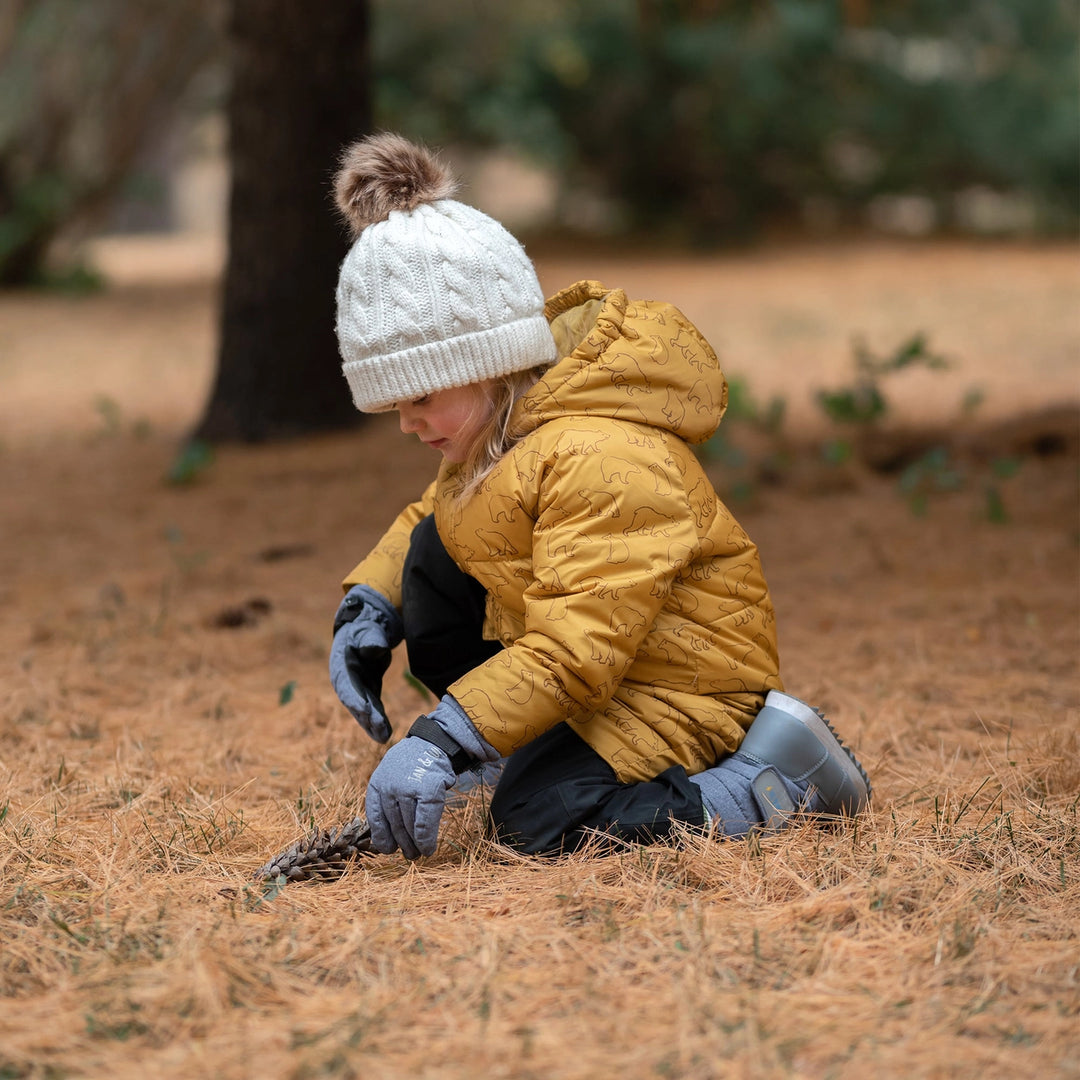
(701, 121)
(707, 120)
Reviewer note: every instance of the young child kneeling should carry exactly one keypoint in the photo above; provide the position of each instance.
(570, 587)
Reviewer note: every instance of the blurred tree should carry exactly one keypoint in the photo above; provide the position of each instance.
(83, 89)
(300, 91)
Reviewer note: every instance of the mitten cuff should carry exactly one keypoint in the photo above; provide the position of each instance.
(363, 599)
(453, 719)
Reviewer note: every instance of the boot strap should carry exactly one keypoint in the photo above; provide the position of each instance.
(772, 798)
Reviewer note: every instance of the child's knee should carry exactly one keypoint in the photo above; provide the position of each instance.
(508, 821)
(524, 826)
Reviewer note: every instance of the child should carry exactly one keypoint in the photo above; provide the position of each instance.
(569, 587)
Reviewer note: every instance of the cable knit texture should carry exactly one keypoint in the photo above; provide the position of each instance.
(434, 297)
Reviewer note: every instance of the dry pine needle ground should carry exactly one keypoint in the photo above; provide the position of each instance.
(150, 761)
(166, 727)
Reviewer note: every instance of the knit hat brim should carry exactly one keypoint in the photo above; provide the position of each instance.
(378, 383)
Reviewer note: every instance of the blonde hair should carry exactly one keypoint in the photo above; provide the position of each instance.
(496, 434)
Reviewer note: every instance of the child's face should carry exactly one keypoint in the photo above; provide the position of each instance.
(448, 420)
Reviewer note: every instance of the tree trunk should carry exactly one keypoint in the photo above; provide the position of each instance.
(300, 92)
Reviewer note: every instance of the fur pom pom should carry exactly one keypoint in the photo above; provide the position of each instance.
(387, 172)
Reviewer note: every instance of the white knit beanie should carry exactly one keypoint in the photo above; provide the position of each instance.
(433, 294)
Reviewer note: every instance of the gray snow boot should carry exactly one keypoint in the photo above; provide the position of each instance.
(792, 738)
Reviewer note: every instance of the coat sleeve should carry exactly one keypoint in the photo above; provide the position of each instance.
(612, 532)
(382, 568)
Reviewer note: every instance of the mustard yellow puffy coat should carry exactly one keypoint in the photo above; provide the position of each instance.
(630, 602)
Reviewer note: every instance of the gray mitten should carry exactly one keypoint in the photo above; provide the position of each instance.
(407, 792)
(366, 629)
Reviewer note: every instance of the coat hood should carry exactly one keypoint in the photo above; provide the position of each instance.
(641, 361)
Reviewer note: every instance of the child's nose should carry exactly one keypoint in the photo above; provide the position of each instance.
(409, 422)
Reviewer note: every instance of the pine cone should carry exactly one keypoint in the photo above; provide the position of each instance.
(322, 855)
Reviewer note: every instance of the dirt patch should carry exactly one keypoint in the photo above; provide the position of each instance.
(166, 725)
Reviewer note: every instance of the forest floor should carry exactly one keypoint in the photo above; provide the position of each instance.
(166, 724)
